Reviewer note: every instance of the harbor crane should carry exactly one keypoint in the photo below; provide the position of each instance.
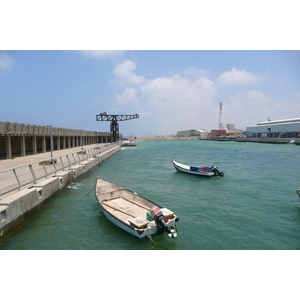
(114, 126)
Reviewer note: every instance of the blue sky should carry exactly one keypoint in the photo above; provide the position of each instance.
(173, 79)
(170, 90)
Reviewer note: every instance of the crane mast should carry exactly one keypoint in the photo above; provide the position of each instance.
(114, 126)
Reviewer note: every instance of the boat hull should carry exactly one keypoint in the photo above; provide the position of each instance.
(138, 233)
(187, 169)
(113, 200)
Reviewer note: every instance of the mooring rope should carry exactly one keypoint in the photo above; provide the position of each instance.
(91, 189)
(149, 236)
(179, 239)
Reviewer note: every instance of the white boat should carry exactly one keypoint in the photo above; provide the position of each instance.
(199, 171)
(129, 142)
(133, 213)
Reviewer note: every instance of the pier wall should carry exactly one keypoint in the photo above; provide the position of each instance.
(17, 207)
(19, 139)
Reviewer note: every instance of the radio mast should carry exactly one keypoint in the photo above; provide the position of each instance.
(220, 116)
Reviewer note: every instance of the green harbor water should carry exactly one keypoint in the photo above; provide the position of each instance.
(253, 207)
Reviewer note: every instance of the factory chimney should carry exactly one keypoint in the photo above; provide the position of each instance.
(220, 116)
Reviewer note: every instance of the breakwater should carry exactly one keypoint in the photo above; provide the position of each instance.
(25, 189)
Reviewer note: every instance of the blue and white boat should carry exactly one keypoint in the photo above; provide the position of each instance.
(199, 171)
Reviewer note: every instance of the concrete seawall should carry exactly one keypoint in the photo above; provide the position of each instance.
(17, 207)
(270, 140)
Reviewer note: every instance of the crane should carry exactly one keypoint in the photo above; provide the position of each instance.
(114, 126)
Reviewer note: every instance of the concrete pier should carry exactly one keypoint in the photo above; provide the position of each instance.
(19, 139)
(26, 182)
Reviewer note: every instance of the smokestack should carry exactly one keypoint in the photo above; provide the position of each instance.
(220, 116)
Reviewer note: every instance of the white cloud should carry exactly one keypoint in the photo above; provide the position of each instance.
(102, 54)
(178, 93)
(6, 61)
(235, 77)
(250, 98)
(124, 74)
(170, 103)
(251, 107)
(190, 100)
(193, 73)
(128, 97)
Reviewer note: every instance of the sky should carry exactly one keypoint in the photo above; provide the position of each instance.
(172, 64)
(170, 90)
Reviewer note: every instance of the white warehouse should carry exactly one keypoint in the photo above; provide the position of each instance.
(193, 134)
(289, 128)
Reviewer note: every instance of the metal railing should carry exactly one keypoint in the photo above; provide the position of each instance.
(14, 179)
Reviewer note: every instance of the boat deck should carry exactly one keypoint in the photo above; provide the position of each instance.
(126, 209)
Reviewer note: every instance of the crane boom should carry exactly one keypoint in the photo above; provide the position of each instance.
(114, 126)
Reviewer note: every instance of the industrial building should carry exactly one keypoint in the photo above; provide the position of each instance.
(198, 134)
(229, 131)
(289, 128)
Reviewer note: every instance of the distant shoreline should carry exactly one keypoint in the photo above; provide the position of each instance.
(160, 138)
(255, 140)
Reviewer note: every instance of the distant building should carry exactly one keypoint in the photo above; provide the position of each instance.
(229, 131)
(218, 133)
(193, 134)
(232, 131)
(230, 126)
(289, 128)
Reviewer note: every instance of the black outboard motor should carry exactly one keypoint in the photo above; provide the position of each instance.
(158, 217)
(216, 171)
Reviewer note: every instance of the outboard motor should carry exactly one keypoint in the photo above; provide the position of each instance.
(298, 192)
(158, 217)
(216, 171)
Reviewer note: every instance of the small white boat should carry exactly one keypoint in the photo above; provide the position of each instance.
(199, 171)
(129, 143)
(133, 213)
